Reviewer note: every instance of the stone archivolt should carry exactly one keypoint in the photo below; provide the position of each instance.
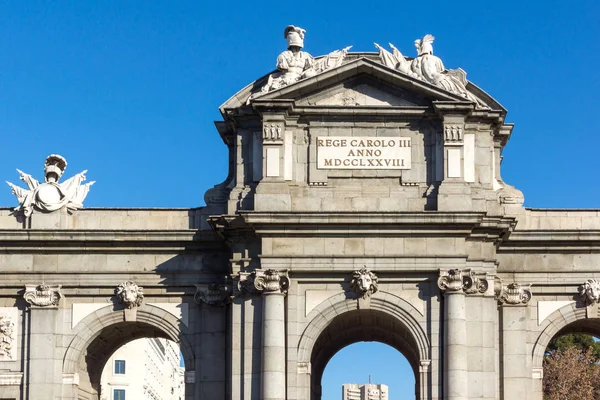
(42, 295)
(590, 292)
(456, 280)
(514, 294)
(130, 294)
(364, 282)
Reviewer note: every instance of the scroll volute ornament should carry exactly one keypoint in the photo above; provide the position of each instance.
(451, 280)
(455, 280)
(42, 295)
(514, 294)
(271, 280)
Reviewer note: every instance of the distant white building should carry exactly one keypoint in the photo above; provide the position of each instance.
(368, 391)
(144, 369)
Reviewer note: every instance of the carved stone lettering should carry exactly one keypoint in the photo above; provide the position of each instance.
(348, 152)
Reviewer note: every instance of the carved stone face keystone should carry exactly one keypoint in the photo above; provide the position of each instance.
(130, 294)
(364, 282)
(590, 292)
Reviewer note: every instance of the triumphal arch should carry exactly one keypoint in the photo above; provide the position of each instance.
(364, 202)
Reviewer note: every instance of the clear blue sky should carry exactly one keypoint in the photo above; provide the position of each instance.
(130, 90)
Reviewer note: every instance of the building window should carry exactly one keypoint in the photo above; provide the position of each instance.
(120, 368)
(119, 394)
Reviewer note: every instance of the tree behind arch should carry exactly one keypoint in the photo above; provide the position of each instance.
(571, 369)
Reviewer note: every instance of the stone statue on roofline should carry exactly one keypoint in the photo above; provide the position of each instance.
(51, 195)
(428, 68)
(294, 64)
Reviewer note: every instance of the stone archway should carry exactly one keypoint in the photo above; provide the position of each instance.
(337, 323)
(570, 318)
(101, 333)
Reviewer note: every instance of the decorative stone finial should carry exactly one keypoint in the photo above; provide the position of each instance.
(130, 294)
(364, 282)
(428, 68)
(213, 294)
(455, 280)
(42, 295)
(590, 292)
(514, 294)
(51, 195)
(265, 281)
(294, 65)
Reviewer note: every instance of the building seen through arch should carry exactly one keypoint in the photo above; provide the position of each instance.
(144, 369)
(364, 202)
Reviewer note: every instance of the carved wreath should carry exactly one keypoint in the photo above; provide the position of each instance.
(130, 294)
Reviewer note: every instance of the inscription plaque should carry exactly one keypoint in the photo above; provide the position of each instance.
(350, 152)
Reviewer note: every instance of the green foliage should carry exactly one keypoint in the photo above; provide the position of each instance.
(579, 341)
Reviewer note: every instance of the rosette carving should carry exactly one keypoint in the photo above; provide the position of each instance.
(515, 293)
(130, 294)
(42, 295)
(364, 282)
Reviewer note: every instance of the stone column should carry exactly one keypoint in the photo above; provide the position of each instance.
(45, 364)
(455, 335)
(273, 286)
(516, 360)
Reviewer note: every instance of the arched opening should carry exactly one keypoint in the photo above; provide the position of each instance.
(369, 362)
(363, 326)
(101, 334)
(150, 368)
(571, 361)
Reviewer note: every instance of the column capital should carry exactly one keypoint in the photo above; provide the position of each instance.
(42, 295)
(514, 294)
(461, 281)
(264, 281)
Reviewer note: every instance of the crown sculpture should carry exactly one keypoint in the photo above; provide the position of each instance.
(51, 195)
